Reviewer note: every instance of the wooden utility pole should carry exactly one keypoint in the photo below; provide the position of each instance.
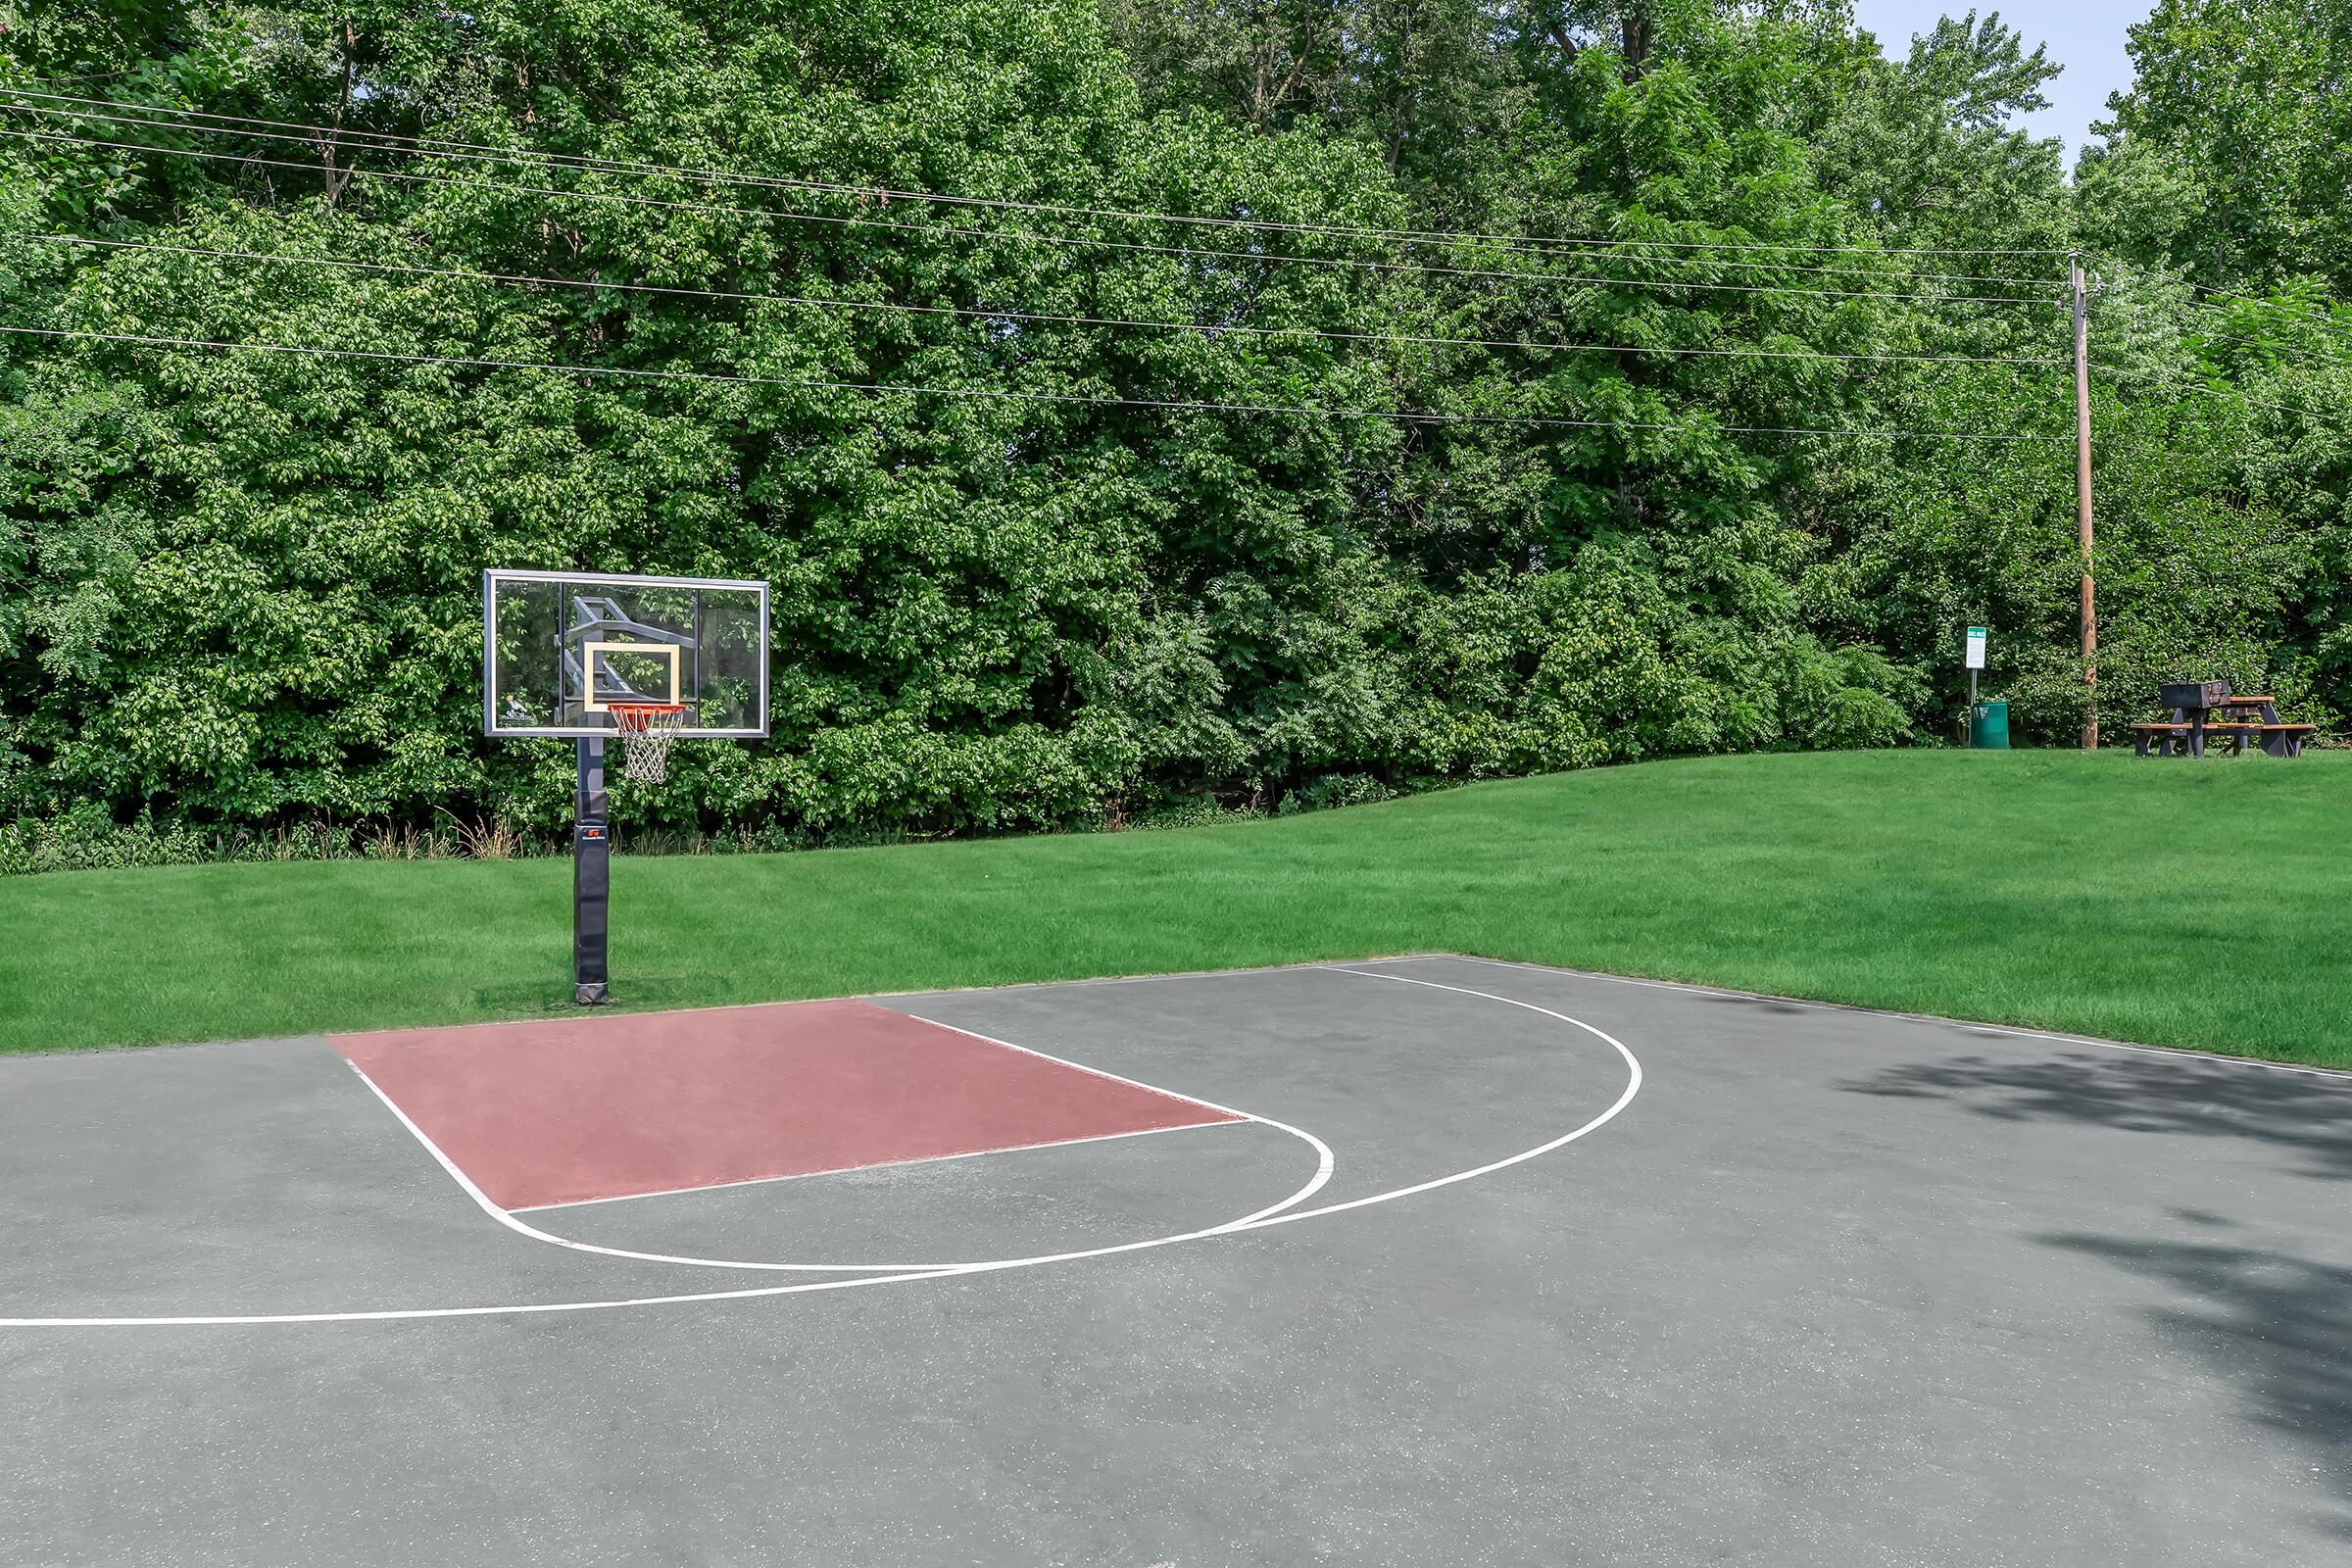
(2090, 623)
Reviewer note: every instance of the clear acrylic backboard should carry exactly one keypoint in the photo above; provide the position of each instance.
(560, 647)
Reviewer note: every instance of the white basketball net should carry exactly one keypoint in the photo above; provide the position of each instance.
(646, 730)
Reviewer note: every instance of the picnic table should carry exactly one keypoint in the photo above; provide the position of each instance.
(2193, 704)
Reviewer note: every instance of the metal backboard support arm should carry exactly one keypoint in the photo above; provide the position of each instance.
(591, 875)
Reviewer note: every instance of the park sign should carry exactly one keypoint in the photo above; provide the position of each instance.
(1975, 648)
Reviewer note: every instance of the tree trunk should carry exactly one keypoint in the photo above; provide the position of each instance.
(1633, 31)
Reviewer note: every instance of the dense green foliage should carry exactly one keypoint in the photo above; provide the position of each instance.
(2243, 110)
(2050, 889)
(238, 589)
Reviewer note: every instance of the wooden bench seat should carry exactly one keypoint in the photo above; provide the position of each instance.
(2170, 739)
(2184, 729)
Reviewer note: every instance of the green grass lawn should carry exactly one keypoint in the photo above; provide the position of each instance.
(2176, 902)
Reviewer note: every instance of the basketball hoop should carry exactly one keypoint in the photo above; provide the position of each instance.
(645, 732)
(594, 658)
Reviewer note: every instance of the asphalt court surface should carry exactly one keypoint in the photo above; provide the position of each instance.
(1803, 1286)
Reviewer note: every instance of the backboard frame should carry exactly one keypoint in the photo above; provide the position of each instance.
(493, 577)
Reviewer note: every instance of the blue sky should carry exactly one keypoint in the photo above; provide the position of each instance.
(2087, 36)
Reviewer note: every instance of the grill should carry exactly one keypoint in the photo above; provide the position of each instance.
(2195, 694)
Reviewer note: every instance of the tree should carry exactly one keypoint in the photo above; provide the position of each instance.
(2250, 101)
(1562, 381)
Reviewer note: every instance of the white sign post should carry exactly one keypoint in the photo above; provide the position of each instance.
(1975, 660)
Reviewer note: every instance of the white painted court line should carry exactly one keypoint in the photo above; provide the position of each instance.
(1275, 1215)
(505, 1217)
(1324, 1164)
(873, 997)
(1065, 1061)
(2166, 1053)
(880, 1164)
(1632, 1087)
(1148, 977)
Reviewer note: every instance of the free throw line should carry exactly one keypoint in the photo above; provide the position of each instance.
(884, 1165)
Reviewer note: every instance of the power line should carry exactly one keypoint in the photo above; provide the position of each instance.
(1255, 258)
(2283, 308)
(2303, 353)
(2143, 316)
(2192, 383)
(2328, 323)
(421, 145)
(984, 312)
(1174, 405)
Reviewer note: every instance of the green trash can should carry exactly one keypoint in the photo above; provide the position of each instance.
(1988, 727)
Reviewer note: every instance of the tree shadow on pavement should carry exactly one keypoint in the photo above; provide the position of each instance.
(2277, 1325)
(2306, 1114)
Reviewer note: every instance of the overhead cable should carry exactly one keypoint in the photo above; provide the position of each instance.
(2193, 383)
(2303, 353)
(425, 146)
(2285, 307)
(992, 314)
(997, 393)
(1253, 258)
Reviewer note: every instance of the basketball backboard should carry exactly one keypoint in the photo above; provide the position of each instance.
(560, 648)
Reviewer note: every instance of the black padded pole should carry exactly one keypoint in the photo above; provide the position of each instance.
(591, 875)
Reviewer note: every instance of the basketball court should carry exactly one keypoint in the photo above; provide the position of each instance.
(1414, 1261)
